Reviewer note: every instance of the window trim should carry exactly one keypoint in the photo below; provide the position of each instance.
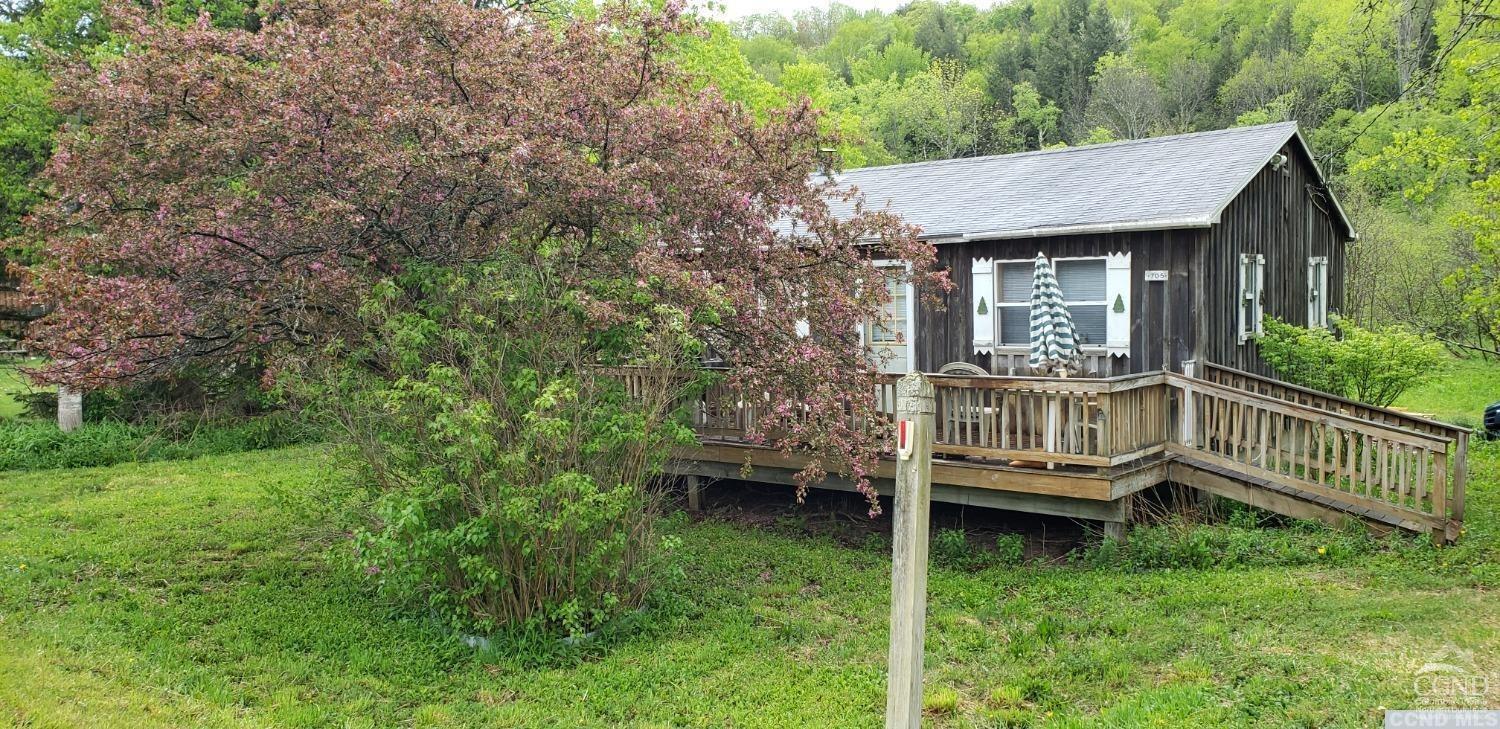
(1317, 292)
(996, 342)
(1249, 330)
(909, 332)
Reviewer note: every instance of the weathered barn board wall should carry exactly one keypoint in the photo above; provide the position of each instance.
(1162, 328)
(1279, 215)
(1193, 314)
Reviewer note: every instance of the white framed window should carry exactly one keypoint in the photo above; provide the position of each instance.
(1085, 288)
(892, 340)
(1317, 292)
(1096, 290)
(893, 329)
(1252, 295)
(1013, 302)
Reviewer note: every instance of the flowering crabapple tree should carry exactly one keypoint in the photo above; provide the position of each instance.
(294, 197)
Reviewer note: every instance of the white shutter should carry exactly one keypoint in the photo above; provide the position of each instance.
(1244, 309)
(1117, 310)
(982, 305)
(1260, 294)
(1317, 292)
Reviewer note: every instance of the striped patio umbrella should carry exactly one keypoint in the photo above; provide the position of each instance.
(1052, 341)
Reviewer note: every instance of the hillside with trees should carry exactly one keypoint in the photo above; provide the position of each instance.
(1398, 99)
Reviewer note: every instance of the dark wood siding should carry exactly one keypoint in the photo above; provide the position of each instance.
(1280, 214)
(1162, 326)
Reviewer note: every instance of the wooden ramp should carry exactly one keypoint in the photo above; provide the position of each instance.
(1280, 498)
(1310, 455)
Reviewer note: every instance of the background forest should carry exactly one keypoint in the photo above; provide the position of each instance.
(1398, 98)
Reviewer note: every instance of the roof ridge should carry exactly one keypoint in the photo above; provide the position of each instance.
(1291, 125)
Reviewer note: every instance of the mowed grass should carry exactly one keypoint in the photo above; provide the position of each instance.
(186, 593)
(12, 386)
(1459, 395)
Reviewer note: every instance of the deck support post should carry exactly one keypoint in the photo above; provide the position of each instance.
(1115, 530)
(694, 492)
(1460, 478)
(915, 410)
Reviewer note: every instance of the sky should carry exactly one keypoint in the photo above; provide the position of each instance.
(735, 9)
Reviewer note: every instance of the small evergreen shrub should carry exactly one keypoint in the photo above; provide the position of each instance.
(940, 702)
(950, 547)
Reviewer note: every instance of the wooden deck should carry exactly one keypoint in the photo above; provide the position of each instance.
(1097, 441)
(13, 303)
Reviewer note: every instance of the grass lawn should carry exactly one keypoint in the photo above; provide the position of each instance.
(1459, 395)
(12, 384)
(184, 593)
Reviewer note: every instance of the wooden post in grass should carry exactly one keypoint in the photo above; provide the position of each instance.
(694, 493)
(913, 504)
(69, 409)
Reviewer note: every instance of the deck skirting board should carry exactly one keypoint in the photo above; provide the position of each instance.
(1079, 484)
(1031, 503)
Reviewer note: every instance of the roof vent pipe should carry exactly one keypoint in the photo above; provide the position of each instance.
(826, 156)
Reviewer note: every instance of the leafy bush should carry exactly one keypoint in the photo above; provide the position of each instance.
(508, 476)
(29, 445)
(1369, 365)
(1010, 548)
(951, 547)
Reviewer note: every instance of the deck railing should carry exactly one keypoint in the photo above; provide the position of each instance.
(1098, 422)
(1336, 453)
(1456, 455)
(15, 305)
(1261, 385)
(1367, 464)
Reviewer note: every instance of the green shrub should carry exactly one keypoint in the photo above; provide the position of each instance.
(950, 547)
(38, 444)
(507, 477)
(1010, 548)
(1369, 365)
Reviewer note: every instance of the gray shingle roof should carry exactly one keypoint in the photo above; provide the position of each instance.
(1181, 181)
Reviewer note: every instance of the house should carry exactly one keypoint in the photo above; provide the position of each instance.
(1168, 249)
(15, 312)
